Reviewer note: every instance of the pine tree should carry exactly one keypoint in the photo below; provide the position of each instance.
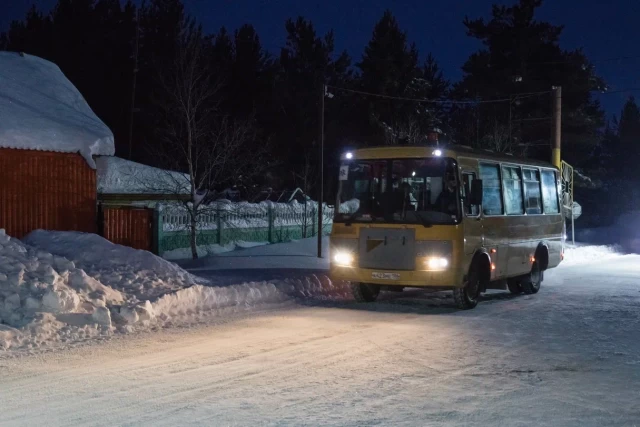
(628, 152)
(389, 66)
(306, 63)
(521, 54)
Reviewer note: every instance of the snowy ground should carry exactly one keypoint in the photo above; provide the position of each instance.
(567, 356)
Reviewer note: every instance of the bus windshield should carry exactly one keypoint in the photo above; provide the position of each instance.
(407, 191)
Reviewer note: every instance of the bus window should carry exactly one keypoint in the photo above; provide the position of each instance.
(532, 202)
(549, 192)
(512, 190)
(467, 179)
(491, 189)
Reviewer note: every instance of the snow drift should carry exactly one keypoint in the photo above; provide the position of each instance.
(42, 110)
(38, 288)
(67, 287)
(139, 274)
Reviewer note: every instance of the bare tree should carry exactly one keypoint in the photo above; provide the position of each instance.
(501, 140)
(195, 136)
(306, 179)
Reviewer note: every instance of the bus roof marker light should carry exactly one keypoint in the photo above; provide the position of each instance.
(348, 155)
(437, 153)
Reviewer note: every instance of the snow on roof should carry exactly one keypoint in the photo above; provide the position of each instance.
(120, 176)
(40, 109)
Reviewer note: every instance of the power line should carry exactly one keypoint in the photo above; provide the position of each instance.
(440, 101)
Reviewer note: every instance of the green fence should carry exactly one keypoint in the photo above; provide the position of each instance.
(234, 222)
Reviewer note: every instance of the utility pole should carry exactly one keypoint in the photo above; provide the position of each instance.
(136, 46)
(556, 133)
(323, 89)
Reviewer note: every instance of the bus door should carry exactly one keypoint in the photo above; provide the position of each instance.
(472, 218)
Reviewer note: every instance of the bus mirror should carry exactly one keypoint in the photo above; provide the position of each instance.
(475, 197)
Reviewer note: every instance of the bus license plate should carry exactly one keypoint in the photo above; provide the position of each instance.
(385, 276)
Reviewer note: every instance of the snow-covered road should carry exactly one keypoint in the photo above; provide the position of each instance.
(567, 356)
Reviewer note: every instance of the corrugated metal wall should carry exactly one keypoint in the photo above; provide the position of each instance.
(52, 191)
(128, 226)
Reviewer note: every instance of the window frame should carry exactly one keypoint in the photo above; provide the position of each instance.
(524, 192)
(497, 165)
(504, 187)
(474, 174)
(557, 191)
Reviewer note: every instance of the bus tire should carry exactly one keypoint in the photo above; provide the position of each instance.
(531, 283)
(515, 286)
(466, 297)
(364, 292)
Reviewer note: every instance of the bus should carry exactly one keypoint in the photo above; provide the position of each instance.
(450, 218)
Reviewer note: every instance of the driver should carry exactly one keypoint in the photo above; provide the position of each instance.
(447, 200)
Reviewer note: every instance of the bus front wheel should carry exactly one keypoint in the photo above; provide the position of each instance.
(364, 292)
(467, 297)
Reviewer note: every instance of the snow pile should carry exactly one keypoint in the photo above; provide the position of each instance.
(120, 176)
(227, 299)
(38, 288)
(189, 303)
(139, 274)
(42, 110)
(68, 287)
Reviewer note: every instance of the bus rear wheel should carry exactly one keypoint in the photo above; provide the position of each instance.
(467, 297)
(531, 283)
(515, 286)
(364, 292)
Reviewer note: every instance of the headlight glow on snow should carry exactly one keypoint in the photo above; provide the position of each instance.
(343, 258)
(437, 263)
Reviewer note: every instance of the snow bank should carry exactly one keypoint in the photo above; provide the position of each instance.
(140, 274)
(120, 176)
(67, 287)
(42, 110)
(37, 289)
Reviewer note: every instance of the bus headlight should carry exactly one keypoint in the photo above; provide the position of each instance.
(343, 258)
(437, 263)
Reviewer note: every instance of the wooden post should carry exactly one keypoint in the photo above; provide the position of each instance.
(271, 223)
(219, 224)
(556, 134)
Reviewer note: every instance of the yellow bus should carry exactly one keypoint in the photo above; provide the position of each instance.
(451, 218)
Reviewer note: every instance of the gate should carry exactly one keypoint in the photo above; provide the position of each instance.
(128, 226)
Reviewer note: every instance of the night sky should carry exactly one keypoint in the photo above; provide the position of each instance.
(604, 32)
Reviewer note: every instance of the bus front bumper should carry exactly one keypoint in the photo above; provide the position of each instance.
(415, 278)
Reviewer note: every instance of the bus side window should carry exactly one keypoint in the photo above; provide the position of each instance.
(467, 179)
(492, 189)
(549, 192)
(532, 198)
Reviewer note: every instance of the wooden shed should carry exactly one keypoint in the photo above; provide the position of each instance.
(48, 139)
(128, 193)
